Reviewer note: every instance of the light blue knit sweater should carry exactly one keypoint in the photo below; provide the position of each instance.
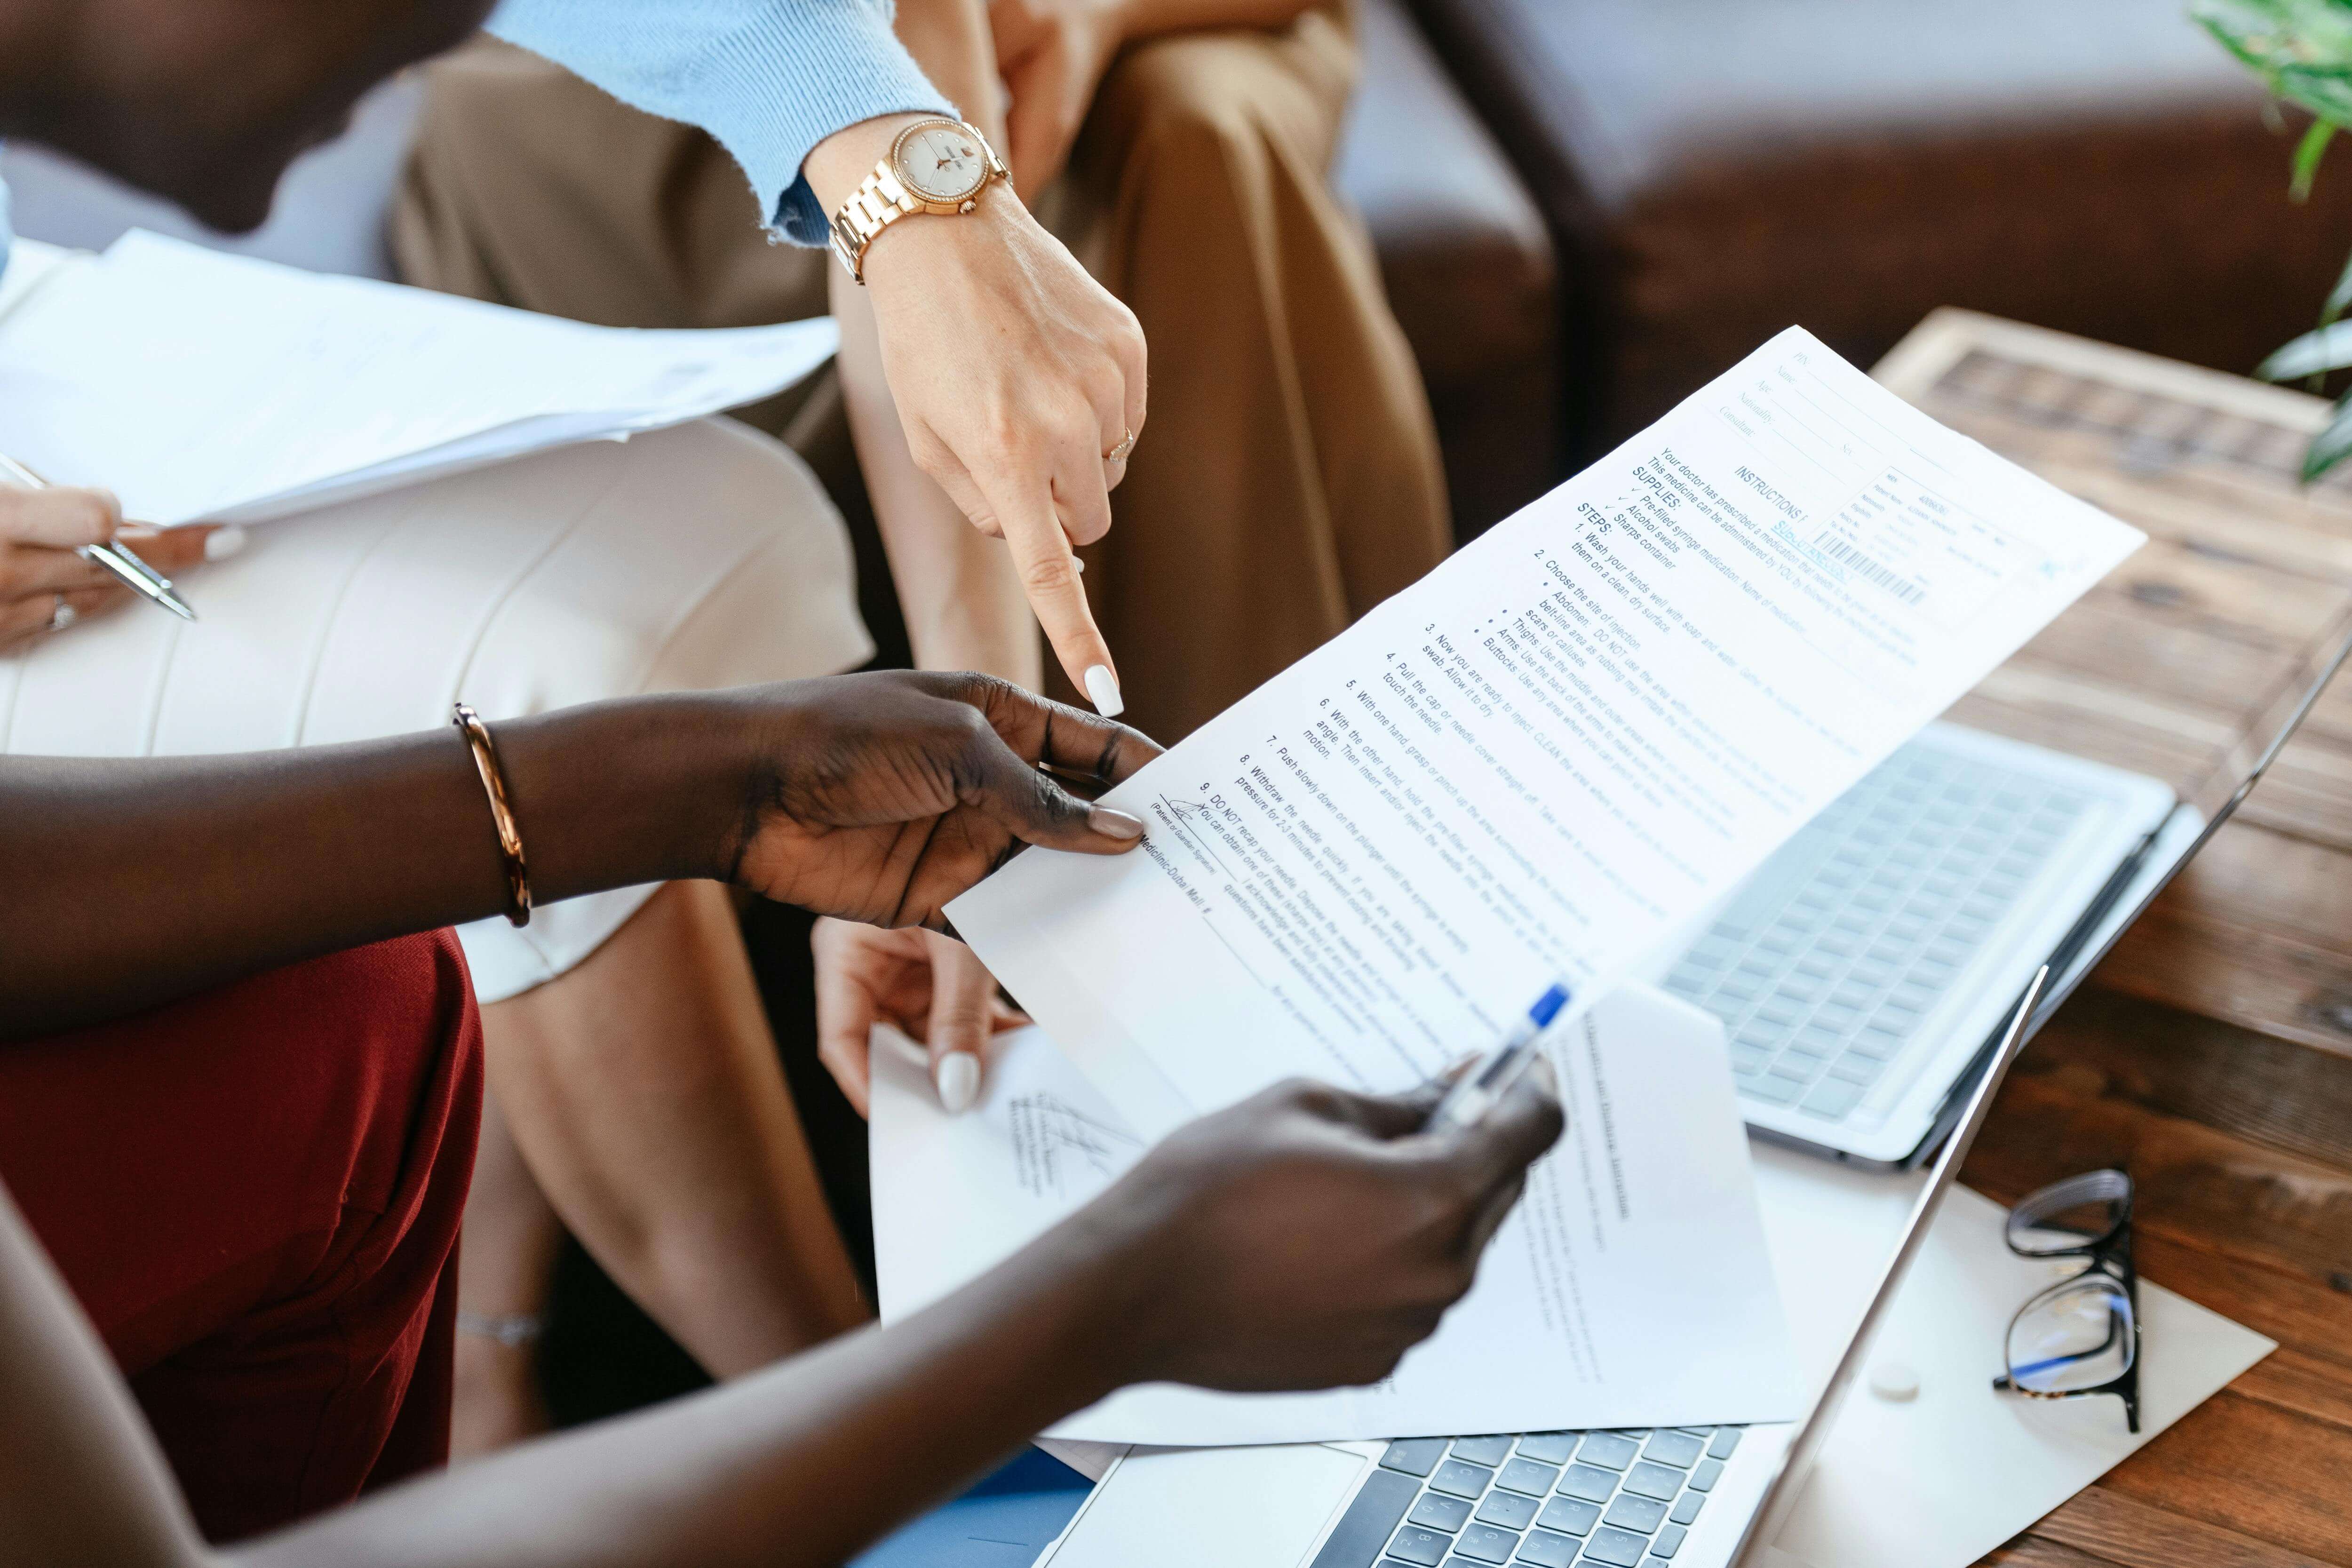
(769, 78)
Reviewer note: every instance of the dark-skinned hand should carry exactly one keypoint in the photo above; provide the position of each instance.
(1307, 1238)
(882, 796)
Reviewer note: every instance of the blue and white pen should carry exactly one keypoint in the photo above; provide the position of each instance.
(1475, 1092)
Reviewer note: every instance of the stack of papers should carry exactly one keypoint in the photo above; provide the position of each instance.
(1630, 1287)
(205, 387)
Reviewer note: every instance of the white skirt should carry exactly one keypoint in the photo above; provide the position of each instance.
(688, 559)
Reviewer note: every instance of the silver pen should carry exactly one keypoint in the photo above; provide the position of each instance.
(1475, 1092)
(136, 575)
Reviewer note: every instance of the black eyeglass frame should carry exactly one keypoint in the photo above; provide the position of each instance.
(2108, 1253)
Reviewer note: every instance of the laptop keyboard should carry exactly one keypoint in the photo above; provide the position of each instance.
(1545, 1499)
(1824, 966)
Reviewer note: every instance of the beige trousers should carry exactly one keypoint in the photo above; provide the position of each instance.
(1289, 478)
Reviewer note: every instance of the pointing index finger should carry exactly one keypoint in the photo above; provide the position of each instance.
(1051, 582)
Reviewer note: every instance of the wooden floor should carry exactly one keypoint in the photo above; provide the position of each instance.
(2212, 1054)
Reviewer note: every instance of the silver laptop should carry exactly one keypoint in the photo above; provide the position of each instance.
(1696, 1497)
(1862, 970)
(1865, 965)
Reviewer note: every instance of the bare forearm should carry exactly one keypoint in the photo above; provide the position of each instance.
(957, 587)
(80, 1480)
(1149, 18)
(134, 882)
(961, 597)
(800, 1464)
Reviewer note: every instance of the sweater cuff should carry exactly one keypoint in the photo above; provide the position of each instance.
(871, 75)
(768, 81)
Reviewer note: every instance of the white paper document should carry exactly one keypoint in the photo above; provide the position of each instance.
(1546, 755)
(1631, 1287)
(200, 386)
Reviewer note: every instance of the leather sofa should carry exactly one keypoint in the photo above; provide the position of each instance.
(1714, 170)
(1468, 265)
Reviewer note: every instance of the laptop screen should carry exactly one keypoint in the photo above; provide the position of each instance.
(2251, 751)
(2244, 759)
(1772, 1511)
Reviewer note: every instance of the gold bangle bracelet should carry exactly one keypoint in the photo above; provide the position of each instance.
(494, 783)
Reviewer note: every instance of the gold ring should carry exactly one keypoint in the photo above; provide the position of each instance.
(1119, 454)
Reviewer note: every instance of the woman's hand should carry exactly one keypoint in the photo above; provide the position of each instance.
(1015, 374)
(1307, 1238)
(1053, 54)
(46, 587)
(931, 987)
(879, 797)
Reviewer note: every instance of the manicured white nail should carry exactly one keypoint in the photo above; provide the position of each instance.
(1102, 686)
(958, 1077)
(223, 542)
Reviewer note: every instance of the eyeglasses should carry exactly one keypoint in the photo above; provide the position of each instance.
(2080, 1336)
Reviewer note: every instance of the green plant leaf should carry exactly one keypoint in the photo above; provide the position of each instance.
(2340, 298)
(2329, 348)
(2332, 445)
(2302, 48)
(2308, 154)
(2326, 93)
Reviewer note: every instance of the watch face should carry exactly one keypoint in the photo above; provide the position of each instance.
(943, 162)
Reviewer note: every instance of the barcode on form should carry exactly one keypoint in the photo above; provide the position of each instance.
(1894, 583)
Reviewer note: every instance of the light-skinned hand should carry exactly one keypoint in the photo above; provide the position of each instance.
(927, 984)
(1053, 54)
(40, 531)
(1014, 374)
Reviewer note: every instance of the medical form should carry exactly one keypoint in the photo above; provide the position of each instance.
(1548, 754)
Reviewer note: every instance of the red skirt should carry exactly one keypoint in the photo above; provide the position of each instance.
(255, 1194)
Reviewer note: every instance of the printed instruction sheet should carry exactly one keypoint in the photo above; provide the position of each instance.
(1631, 1287)
(1548, 755)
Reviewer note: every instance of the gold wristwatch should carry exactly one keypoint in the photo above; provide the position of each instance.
(936, 166)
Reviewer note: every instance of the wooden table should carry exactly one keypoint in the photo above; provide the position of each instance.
(2212, 1054)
